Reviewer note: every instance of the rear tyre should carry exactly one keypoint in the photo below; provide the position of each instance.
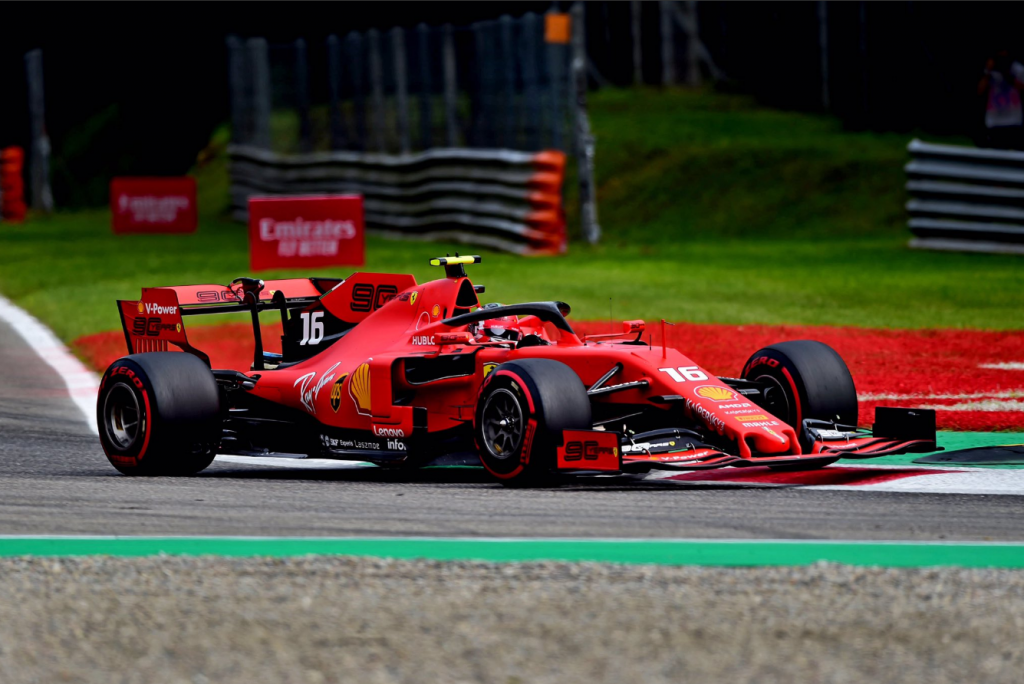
(521, 411)
(806, 379)
(159, 414)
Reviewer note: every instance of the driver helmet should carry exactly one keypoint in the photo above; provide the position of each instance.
(502, 329)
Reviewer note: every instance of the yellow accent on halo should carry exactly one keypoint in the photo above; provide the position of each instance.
(453, 261)
(359, 388)
(715, 393)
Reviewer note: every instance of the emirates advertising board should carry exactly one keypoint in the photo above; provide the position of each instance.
(153, 205)
(306, 232)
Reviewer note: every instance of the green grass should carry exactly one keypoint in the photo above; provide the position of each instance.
(713, 210)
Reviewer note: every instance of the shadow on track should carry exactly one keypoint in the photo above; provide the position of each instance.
(442, 476)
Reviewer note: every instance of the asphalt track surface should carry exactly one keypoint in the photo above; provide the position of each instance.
(55, 479)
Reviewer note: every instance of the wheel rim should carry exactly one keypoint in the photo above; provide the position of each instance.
(502, 420)
(122, 417)
(776, 400)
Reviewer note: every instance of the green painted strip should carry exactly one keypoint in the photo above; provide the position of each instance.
(662, 552)
(951, 441)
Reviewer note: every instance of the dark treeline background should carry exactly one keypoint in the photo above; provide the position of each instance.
(137, 88)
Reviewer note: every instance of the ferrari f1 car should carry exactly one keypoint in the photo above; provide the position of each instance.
(378, 368)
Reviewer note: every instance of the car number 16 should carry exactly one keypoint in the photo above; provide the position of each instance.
(684, 373)
(312, 327)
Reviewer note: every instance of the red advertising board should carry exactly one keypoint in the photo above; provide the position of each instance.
(305, 232)
(153, 205)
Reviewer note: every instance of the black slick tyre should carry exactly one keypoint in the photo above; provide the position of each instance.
(521, 411)
(159, 414)
(805, 379)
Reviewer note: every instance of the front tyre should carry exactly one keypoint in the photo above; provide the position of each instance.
(804, 379)
(521, 412)
(159, 414)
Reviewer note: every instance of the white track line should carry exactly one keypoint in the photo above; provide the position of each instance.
(985, 405)
(81, 382)
(1009, 365)
(1005, 394)
(83, 385)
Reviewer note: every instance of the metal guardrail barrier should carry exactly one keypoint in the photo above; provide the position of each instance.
(503, 199)
(965, 198)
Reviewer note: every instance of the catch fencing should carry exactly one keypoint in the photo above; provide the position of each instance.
(503, 199)
(442, 129)
(965, 198)
(494, 84)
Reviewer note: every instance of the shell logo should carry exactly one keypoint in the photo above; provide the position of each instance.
(359, 389)
(715, 393)
(141, 309)
(436, 311)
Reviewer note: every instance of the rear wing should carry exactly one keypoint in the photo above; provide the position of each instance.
(154, 322)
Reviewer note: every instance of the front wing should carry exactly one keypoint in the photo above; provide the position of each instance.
(896, 431)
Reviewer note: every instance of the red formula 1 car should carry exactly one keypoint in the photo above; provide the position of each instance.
(379, 368)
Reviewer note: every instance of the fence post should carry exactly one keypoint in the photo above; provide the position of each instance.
(823, 49)
(39, 170)
(354, 44)
(423, 35)
(377, 89)
(584, 139)
(530, 78)
(638, 53)
(259, 63)
(668, 47)
(556, 81)
(449, 87)
(401, 87)
(508, 135)
(236, 88)
(482, 104)
(692, 29)
(302, 96)
(334, 113)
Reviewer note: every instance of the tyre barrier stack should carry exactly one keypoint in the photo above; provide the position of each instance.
(502, 199)
(965, 198)
(12, 184)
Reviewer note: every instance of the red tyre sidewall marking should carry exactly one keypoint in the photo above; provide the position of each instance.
(148, 425)
(531, 429)
(136, 382)
(792, 385)
(522, 386)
